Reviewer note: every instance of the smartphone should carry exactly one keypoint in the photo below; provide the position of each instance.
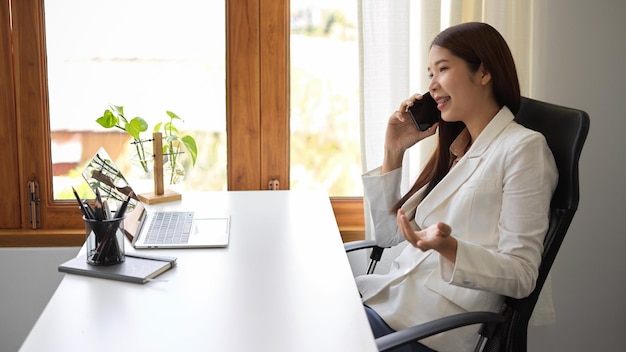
(424, 113)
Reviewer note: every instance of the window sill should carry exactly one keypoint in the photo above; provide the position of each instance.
(350, 218)
(42, 238)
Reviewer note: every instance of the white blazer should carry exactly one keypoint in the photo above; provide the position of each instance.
(496, 200)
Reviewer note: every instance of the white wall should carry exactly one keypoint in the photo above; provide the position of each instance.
(581, 62)
(28, 278)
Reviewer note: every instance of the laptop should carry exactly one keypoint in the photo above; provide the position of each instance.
(154, 229)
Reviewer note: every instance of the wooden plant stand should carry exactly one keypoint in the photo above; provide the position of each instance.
(160, 195)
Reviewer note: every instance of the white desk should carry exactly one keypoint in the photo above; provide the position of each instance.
(283, 284)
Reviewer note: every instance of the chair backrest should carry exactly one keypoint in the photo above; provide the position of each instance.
(565, 130)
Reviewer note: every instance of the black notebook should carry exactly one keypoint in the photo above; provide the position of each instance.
(135, 268)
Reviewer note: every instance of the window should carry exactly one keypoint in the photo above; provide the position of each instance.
(141, 55)
(256, 111)
(325, 134)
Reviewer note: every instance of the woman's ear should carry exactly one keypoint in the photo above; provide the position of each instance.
(485, 75)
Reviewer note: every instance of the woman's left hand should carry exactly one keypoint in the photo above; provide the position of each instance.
(436, 236)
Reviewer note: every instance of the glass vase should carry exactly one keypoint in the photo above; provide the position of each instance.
(143, 167)
(173, 174)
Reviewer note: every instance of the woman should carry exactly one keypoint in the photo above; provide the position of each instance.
(476, 216)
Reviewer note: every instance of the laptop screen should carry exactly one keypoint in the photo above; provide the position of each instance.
(103, 175)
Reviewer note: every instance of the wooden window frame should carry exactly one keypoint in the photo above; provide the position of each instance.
(257, 109)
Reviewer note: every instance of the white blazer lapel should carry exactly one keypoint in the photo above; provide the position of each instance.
(411, 205)
(465, 167)
(447, 186)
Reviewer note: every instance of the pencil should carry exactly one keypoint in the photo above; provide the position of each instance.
(98, 210)
(80, 204)
(122, 209)
(88, 210)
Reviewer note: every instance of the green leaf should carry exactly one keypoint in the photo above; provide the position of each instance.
(135, 126)
(107, 120)
(157, 127)
(172, 115)
(141, 122)
(170, 129)
(190, 145)
(117, 110)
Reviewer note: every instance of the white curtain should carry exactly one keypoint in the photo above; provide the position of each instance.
(395, 39)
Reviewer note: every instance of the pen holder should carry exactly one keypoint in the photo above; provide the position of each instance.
(105, 241)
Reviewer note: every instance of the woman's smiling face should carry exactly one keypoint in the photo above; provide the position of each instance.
(457, 90)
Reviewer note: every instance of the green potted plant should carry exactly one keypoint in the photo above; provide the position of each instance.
(172, 146)
(114, 118)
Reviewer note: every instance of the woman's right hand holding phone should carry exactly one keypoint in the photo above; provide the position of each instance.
(401, 134)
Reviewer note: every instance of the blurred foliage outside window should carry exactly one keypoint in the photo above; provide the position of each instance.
(325, 135)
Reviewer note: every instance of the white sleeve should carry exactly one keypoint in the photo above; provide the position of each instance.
(382, 192)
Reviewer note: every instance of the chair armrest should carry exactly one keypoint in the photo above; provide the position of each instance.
(356, 245)
(434, 327)
(375, 255)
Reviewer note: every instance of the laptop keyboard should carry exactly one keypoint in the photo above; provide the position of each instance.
(169, 228)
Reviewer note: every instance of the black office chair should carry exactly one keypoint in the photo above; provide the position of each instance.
(565, 130)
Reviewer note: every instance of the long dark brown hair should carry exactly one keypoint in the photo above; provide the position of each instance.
(476, 43)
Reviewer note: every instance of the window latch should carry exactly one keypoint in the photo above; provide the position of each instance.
(273, 184)
(33, 197)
